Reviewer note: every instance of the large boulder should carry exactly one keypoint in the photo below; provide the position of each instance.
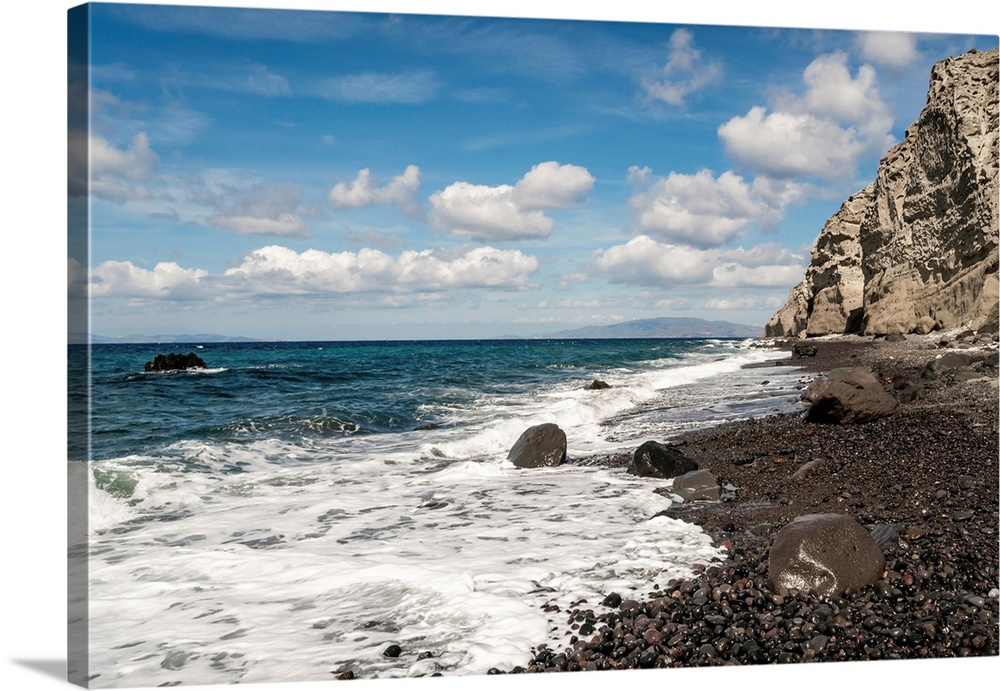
(830, 554)
(848, 395)
(175, 361)
(539, 446)
(653, 459)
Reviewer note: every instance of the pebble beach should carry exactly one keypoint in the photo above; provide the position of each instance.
(923, 480)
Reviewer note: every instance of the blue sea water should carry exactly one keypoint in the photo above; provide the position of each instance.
(293, 509)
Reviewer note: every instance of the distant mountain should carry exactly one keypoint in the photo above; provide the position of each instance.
(180, 338)
(663, 327)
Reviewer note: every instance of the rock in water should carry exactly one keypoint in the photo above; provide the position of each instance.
(915, 250)
(175, 361)
(539, 446)
(830, 554)
(653, 459)
(848, 395)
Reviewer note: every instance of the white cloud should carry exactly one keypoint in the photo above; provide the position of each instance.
(119, 174)
(891, 49)
(733, 275)
(646, 262)
(552, 186)
(280, 270)
(363, 191)
(684, 73)
(821, 133)
(285, 225)
(166, 281)
(276, 271)
(510, 212)
(698, 209)
(743, 303)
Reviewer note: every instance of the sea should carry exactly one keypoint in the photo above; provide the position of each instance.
(302, 510)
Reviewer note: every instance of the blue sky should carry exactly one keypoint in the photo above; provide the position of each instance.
(328, 175)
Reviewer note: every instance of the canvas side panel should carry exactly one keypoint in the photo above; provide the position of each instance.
(78, 345)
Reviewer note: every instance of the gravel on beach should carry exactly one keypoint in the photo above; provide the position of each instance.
(924, 480)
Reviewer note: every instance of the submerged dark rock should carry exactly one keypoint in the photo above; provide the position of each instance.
(175, 361)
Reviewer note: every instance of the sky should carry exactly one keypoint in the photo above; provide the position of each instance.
(312, 175)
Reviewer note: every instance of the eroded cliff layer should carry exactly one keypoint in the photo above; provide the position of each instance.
(916, 250)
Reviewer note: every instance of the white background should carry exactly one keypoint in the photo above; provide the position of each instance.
(32, 535)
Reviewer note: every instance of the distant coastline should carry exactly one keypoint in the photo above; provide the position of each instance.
(662, 327)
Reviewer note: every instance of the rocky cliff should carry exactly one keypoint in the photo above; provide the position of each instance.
(916, 250)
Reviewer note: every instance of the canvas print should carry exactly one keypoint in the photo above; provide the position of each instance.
(411, 345)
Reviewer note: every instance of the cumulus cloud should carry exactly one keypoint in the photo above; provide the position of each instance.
(891, 49)
(280, 270)
(363, 191)
(166, 281)
(820, 133)
(552, 186)
(644, 261)
(118, 174)
(699, 209)
(277, 271)
(510, 212)
(684, 73)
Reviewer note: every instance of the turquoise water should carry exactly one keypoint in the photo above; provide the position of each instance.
(305, 389)
(295, 508)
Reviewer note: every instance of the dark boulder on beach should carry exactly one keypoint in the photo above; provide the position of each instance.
(653, 459)
(175, 361)
(848, 395)
(539, 446)
(597, 384)
(829, 554)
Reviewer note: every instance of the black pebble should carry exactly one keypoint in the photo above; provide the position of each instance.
(392, 651)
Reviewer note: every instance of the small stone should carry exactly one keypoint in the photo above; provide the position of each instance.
(392, 651)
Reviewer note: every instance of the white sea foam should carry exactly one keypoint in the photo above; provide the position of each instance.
(278, 560)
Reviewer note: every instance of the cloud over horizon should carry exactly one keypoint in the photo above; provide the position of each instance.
(510, 212)
(276, 271)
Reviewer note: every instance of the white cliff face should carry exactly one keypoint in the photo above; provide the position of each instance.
(916, 250)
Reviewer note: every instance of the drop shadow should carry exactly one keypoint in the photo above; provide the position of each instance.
(55, 668)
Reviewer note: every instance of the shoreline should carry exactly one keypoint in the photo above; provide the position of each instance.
(925, 479)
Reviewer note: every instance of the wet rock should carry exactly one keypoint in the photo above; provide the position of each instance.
(597, 384)
(698, 485)
(175, 361)
(539, 446)
(830, 554)
(653, 459)
(392, 651)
